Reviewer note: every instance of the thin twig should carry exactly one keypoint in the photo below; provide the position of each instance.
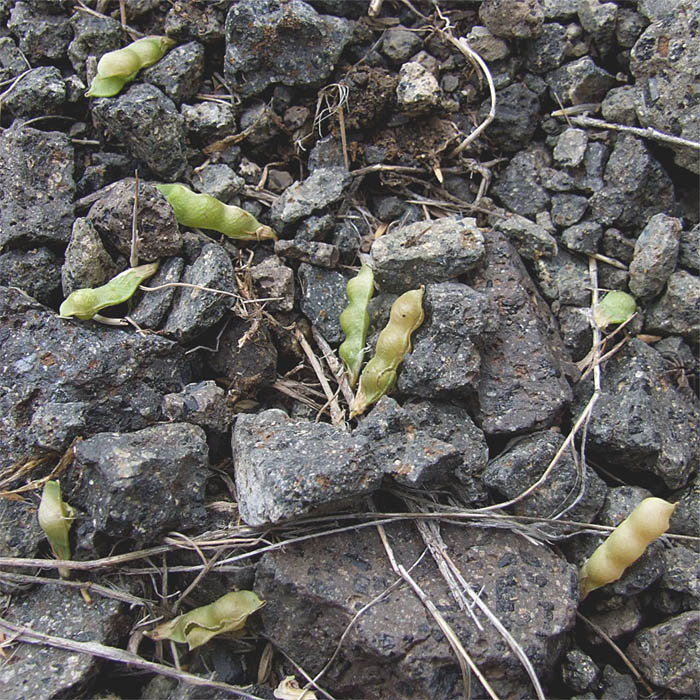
(334, 366)
(134, 257)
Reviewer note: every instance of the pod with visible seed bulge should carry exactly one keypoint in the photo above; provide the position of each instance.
(354, 321)
(85, 303)
(117, 68)
(625, 544)
(204, 211)
(379, 375)
(55, 519)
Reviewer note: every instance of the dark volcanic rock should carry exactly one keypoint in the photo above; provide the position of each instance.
(41, 91)
(120, 375)
(641, 421)
(196, 310)
(149, 125)
(678, 310)
(42, 34)
(285, 468)
(519, 186)
(314, 589)
(36, 272)
(150, 309)
(323, 299)
(669, 653)
(179, 73)
(158, 231)
(517, 117)
(435, 251)
(513, 19)
(291, 44)
(20, 536)
(36, 187)
(522, 386)
(445, 356)
(60, 612)
(140, 485)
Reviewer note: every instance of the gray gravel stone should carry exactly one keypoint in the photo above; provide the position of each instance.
(564, 9)
(618, 246)
(418, 92)
(617, 686)
(630, 24)
(262, 123)
(445, 358)
(575, 330)
(579, 672)
(682, 576)
(11, 61)
(204, 23)
(179, 73)
(583, 237)
(203, 404)
(517, 117)
(689, 253)
(531, 240)
(36, 272)
(399, 44)
(208, 121)
(194, 310)
(36, 187)
(580, 82)
(620, 105)
(599, 19)
(665, 62)
(92, 36)
(488, 46)
(678, 310)
(43, 35)
(642, 422)
(111, 217)
(512, 19)
(636, 186)
(517, 468)
(424, 252)
(563, 278)
(313, 252)
(219, 180)
(325, 186)
(20, 536)
(87, 262)
(547, 51)
(149, 125)
(310, 605)
(522, 387)
(655, 256)
(120, 375)
(41, 91)
(140, 485)
(567, 209)
(571, 147)
(41, 671)
(291, 44)
(616, 616)
(274, 279)
(150, 309)
(519, 185)
(669, 654)
(285, 468)
(323, 300)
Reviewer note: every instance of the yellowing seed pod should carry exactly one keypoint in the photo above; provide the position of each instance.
(116, 68)
(626, 543)
(379, 375)
(226, 614)
(204, 211)
(85, 303)
(354, 321)
(55, 519)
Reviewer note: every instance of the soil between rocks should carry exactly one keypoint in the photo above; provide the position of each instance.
(205, 443)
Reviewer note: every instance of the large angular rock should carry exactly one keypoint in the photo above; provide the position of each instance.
(268, 42)
(395, 648)
(118, 376)
(434, 251)
(665, 62)
(678, 310)
(140, 485)
(512, 19)
(642, 422)
(522, 386)
(285, 467)
(36, 187)
(42, 671)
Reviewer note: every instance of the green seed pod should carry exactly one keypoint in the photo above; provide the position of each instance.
(625, 544)
(615, 307)
(116, 68)
(55, 519)
(204, 211)
(85, 303)
(355, 321)
(379, 375)
(227, 614)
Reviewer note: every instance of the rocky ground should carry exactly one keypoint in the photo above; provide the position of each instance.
(206, 445)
